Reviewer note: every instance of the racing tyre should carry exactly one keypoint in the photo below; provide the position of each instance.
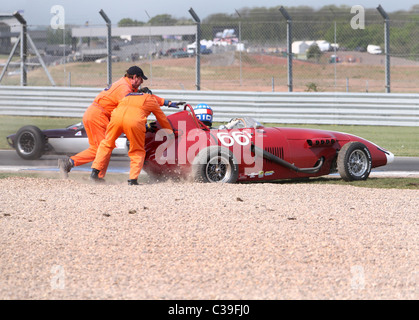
(354, 161)
(30, 143)
(215, 164)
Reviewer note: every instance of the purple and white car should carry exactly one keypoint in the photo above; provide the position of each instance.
(31, 143)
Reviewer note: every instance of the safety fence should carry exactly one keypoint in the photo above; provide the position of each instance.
(334, 49)
(384, 109)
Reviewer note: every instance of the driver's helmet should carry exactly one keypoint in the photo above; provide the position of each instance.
(204, 113)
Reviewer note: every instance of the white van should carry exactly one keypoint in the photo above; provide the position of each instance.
(374, 49)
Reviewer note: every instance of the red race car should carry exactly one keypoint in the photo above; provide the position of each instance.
(245, 150)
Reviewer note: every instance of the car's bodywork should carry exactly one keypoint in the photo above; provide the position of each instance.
(31, 143)
(245, 150)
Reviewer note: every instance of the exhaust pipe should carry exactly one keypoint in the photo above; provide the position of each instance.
(271, 157)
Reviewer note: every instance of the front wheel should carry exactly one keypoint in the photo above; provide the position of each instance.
(30, 143)
(215, 164)
(354, 161)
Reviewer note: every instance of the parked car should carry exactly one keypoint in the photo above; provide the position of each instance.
(170, 51)
(206, 51)
(372, 49)
(181, 54)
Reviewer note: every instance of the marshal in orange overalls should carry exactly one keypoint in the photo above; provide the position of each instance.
(130, 117)
(97, 117)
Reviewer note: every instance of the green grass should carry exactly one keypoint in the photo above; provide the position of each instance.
(402, 141)
(380, 183)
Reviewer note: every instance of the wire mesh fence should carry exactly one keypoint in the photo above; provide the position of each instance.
(332, 50)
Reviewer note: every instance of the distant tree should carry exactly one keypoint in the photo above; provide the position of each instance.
(314, 52)
(127, 22)
(184, 21)
(162, 20)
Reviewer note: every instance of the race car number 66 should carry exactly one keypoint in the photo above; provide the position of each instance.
(239, 137)
(236, 309)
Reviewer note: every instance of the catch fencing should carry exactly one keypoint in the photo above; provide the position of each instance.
(244, 51)
(385, 109)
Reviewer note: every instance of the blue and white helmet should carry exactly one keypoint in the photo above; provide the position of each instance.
(204, 113)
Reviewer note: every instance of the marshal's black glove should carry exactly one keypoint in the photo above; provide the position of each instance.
(145, 90)
(171, 104)
(151, 127)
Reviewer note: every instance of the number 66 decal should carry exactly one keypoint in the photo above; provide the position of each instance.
(240, 137)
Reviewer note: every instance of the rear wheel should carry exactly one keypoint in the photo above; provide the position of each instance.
(354, 161)
(215, 164)
(30, 143)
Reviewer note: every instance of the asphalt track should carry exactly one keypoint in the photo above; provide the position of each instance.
(10, 161)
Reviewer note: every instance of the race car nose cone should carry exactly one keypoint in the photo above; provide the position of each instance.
(390, 157)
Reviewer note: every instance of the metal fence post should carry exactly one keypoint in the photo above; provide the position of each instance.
(150, 52)
(198, 48)
(386, 44)
(289, 45)
(240, 43)
(109, 44)
(23, 49)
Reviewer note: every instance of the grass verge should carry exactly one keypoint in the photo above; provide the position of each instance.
(377, 183)
(402, 141)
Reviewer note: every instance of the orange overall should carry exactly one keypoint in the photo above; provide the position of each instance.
(97, 117)
(130, 117)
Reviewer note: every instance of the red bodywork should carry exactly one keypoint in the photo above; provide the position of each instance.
(313, 151)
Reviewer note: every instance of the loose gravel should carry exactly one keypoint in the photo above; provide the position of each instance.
(71, 239)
